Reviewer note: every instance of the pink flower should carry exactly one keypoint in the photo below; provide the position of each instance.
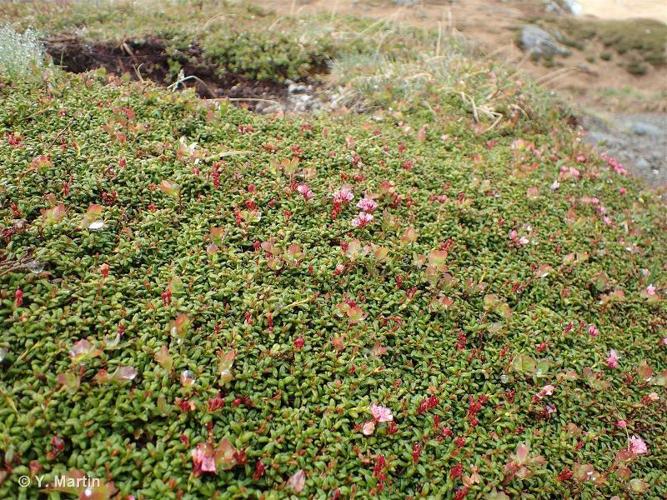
(612, 359)
(343, 195)
(514, 238)
(614, 164)
(297, 481)
(547, 390)
(381, 413)
(125, 374)
(367, 204)
(638, 446)
(664, 341)
(569, 173)
(362, 220)
(621, 424)
(203, 459)
(80, 348)
(368, 428)
(650, 290)
(305, 191)
(593, 331)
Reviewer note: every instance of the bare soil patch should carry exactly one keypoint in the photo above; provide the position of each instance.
(148, 59)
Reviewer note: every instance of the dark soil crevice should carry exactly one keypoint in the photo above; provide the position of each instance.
(150, 59)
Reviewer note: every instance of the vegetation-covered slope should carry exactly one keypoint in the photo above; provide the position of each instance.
(196, 299)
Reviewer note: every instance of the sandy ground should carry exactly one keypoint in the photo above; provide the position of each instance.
(625, 9)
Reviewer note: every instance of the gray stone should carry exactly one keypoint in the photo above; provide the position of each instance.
(643, 163)
(540, 43)
(554, 8)
(642, 128)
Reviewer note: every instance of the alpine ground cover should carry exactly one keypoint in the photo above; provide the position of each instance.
(198, 300)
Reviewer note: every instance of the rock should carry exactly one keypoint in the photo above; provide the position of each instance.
(643, 164)
(563, 7)
(301, 98)
(296, 88)
(638, 140)
(540, 43)
(554, 8)
(572, 6)
(642, 128)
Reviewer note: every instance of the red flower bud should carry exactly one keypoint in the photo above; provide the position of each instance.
(260, 469)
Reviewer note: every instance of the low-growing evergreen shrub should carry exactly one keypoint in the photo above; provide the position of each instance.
(197, 300)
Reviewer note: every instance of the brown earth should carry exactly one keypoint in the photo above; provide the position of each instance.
(148, 59)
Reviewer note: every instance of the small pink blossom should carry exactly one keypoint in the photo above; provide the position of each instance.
(614, 164)
(203, 459)
(593, 331)
(297, 481)
(381, 413)
(362, 220)
(367, 204)
(514, 238)
(368, 428)
(664, 341)
(126, 374)
(650, 290)
(590, 200)
(638, 446)
(80, 348)
(621, 424)
(612, 359)
(343, 195)
(569, 173)
(547, 390)
(305, 191)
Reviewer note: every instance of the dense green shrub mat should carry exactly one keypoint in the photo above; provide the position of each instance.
(479, 305)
